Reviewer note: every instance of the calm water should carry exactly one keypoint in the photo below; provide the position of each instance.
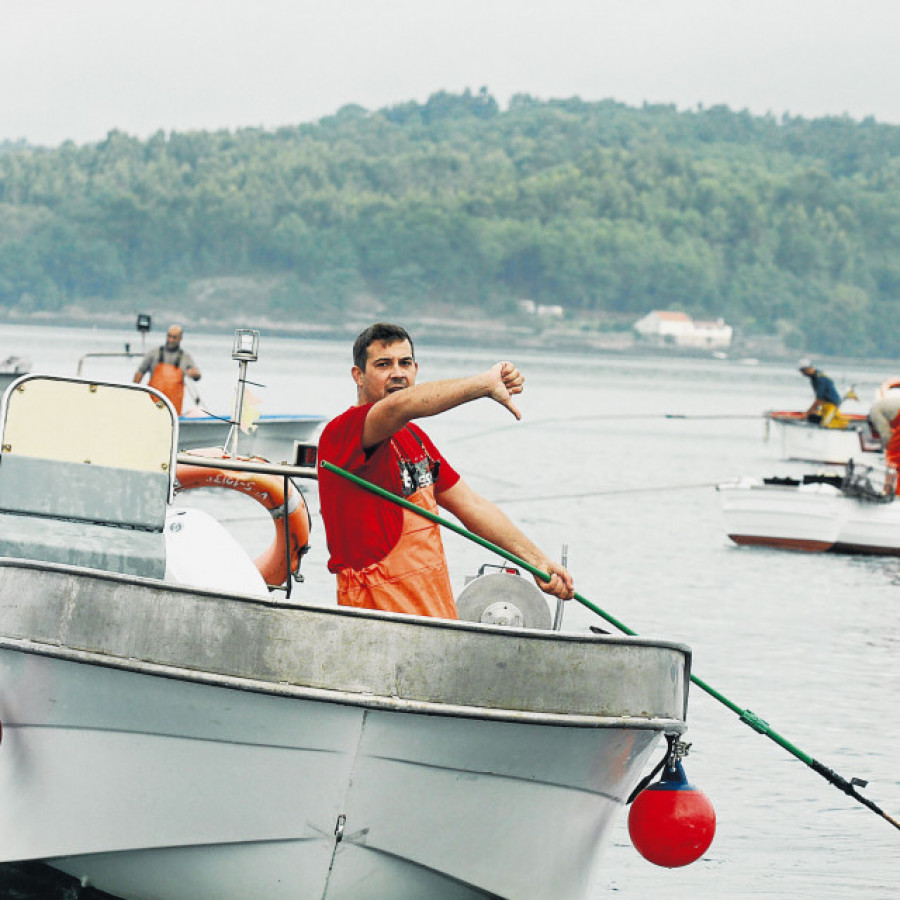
(808, 642)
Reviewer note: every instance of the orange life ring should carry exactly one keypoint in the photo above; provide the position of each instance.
(269, 491)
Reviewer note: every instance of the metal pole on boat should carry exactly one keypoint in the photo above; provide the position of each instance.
(560, 603)
(746, 716)
(245, 350)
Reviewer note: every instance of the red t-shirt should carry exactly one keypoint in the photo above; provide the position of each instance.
(361, 527)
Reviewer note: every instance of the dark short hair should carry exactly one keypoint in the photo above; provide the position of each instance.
(380, 331)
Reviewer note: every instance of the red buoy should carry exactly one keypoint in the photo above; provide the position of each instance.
(672, 823)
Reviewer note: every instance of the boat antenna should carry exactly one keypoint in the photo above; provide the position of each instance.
(745, 715)
(245, 350)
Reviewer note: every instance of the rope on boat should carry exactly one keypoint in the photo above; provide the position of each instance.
(745, 715)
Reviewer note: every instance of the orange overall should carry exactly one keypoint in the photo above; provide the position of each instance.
(169, 380)
(413, 577)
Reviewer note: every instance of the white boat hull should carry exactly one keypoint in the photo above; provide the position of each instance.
(237, 795)
(870, 528)
(807, 442)
(812, 517)
(227, 747)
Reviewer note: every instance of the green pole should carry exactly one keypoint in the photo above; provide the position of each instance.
(745, 715)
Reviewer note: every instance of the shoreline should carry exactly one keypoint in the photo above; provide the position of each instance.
(484, 334)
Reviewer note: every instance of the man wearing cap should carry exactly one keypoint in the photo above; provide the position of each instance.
(827, 399)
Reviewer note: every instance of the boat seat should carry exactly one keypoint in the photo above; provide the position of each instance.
(86, 472)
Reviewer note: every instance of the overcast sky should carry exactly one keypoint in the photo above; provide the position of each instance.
(76, 69)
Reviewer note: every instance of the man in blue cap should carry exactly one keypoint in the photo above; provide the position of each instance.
(827, 399)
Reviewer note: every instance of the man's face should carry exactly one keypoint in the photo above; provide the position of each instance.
(389, 368)
(173, 338)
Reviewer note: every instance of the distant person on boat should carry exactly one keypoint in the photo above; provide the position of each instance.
(827, 401)
(167, 366)
(884, 411)
(386, 557)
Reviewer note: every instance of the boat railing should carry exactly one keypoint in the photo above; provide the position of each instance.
(261, 467)
(257, 466)
(118, 354)
(877, 483)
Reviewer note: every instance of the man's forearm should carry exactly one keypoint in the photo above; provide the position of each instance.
(389, 415)
(434, 397)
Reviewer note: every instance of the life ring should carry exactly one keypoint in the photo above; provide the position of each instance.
(267, 490)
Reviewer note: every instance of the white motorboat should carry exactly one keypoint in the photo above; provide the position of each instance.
(851, 512)
(805, 441)
(172, 728)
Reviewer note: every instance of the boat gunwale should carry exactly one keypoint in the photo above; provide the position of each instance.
(671, 715)
(856, 422)
(342, 698)
(343, 611)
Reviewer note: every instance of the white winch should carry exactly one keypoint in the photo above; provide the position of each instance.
(503, 597)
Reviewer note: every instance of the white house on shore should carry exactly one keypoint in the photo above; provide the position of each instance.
(680, 330)
(542, 310)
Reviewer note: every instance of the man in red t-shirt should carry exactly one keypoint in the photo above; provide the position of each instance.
(384, 556)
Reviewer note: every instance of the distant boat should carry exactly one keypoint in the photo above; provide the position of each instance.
(171, 730)
(851, 512)
(280, 438)
(805, 441)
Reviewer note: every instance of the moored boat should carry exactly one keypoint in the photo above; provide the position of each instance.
(172, 728)
(805, 441)
(850, 512)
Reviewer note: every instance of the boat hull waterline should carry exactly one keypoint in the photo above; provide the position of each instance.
(228, 746)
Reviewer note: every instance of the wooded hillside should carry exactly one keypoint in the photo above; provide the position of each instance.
(781, 226)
